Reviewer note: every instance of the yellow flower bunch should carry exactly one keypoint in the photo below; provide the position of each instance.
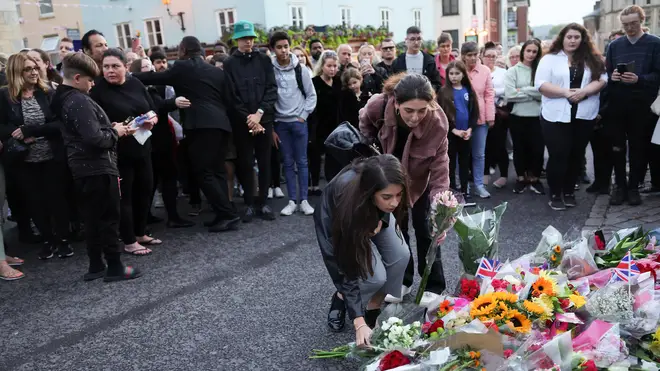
(502, 309)
(555, 256)
(655, 344)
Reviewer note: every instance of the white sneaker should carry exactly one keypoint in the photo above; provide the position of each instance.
(278, 192)
(270, 193)
(158, 200)
(289, 209)
(306, 208)
(404, 291)
(481, 192)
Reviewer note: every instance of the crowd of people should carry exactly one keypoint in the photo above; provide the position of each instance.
(91, 145)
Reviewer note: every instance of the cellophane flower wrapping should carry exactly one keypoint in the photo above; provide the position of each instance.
(578, 260)
(602, 342)
(556, 352)
(646, 309)
(613, 303)
(478, 234)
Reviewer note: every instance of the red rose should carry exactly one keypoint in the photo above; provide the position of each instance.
(425, 327)
(393, 360)
(508, 353)
(565, 303)
(590, 365)
(438, 324)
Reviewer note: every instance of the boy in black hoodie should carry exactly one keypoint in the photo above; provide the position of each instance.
(91, 144)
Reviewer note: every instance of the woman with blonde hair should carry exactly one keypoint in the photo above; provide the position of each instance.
(303, 57)
(34, 156)
(47, 70)
(372, 75)
(513, 57)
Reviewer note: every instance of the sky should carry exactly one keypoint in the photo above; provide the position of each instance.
(542, 12)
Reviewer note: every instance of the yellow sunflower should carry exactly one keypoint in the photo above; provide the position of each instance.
(506, 297)
(543, 286)
(577, 300)
(533, 308)
(518, 322)
(483, 306)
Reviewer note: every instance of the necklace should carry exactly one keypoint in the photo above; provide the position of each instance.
(573, 70)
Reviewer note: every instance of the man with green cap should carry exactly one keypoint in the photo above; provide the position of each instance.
(254, 93)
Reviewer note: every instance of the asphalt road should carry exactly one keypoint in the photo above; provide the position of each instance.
(254, 299)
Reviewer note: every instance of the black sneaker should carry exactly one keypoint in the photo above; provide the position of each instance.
(520, 186)
(64, 250)
(618, 197)
(569, 200)
(46, 252)
(556, 203)
(248, 215)
(266, 213)
(634, 198)
(537, 187)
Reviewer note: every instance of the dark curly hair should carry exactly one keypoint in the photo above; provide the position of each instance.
(586, 54)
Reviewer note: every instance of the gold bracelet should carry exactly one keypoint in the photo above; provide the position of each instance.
(359, 327)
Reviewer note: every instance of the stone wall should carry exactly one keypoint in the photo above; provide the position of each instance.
(10, 31)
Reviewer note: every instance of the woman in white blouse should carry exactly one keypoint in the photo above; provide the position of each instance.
(496, 153)
(570, 78)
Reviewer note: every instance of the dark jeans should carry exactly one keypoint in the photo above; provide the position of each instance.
(528, 145)
(602, 152)
(165, 173)
(314, 153)
(293, 144)
(459, 149)
(186, 176)
(136, 185)
(206, 150)
(496, 154)
(247, 148)
(98, 197)
(275, 168)
(44, 185)
(17, 198)
(419, 211)
(566, 143)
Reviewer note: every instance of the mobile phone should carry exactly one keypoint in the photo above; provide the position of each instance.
(622, 68)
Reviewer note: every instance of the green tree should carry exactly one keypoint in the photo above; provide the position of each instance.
(555, 30)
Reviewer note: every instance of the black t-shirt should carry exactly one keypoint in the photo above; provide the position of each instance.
(576, 73)
(120, 102)
(402, 133)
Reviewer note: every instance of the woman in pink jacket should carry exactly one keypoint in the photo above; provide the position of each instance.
(411, 126)
(483, 86)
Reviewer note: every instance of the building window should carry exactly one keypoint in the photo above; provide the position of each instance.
(449, 7)
(346, 19)
(474, 7)
(512, 18)
(124, 35)
(454, 38)
(18, 9)
(385, 18)
(45, 8)
(154, 32)
(512, 38)
(417, 18)
(226, 19)
(25, 43)
(297, 16)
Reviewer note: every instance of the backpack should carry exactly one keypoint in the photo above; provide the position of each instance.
(298, 70)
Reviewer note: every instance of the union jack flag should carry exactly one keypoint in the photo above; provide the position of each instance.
(626, 269)
(488, 268)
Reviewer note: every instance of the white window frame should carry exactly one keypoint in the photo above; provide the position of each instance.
(346, 16)
(146, 32)
(417, 17)
(226, 13)
(46, 4)
(121, 37)
(385, 17)
(298, 21)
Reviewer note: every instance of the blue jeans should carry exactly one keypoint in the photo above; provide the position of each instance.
(293, 145)
(479, 135)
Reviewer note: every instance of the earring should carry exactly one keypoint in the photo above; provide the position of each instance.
(397, 112)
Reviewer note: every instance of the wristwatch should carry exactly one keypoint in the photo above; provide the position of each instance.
(260, 111)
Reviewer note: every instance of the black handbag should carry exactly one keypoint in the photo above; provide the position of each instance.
(15, 151)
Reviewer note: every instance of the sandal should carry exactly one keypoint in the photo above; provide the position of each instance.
(12, 275)
(151, 242)
(139, 252)
(14, 262)
(129, 274)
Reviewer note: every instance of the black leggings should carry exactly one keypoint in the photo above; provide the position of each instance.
(45, 185)
(496, 154)
(136, 187)
(566, 143)
(165, 172)
(528, 145)
(459, 149)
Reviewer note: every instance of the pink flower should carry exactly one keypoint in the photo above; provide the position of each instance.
(508, 353)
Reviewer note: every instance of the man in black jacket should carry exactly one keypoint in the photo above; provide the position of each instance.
(252, 79)
(205, 123)
(417, 61)
(91, 144)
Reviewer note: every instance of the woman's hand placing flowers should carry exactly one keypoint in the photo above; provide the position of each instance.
(362, 333)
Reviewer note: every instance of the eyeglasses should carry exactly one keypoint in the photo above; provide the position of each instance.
(31, 69)
(387, 48)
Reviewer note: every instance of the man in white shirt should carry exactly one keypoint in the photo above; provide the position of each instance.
(417, 61)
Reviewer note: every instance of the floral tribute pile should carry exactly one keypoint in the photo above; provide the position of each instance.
(573, 304)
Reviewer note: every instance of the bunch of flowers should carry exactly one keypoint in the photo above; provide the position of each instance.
(501, 309)
(612, 302)
(465, 359)
(554, 258)
(508, 284)
(434, 330)
(548, 299)
(393, 360)
(469, 288)
(462, 319)
(478, 234)
(445, 308)
(396, 334)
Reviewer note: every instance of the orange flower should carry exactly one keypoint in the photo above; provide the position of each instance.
(557, 249)
(476, 363)
(446, 307)
(553, 257)
(543, 286)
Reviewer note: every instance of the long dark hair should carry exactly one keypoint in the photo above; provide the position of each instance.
(408, 86)
(356, 216)
(539, 55)
(586, 53)
(447, 93)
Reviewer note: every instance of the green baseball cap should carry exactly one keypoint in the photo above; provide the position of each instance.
(243, 29)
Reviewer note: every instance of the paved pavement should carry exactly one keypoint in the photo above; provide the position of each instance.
(255, 299)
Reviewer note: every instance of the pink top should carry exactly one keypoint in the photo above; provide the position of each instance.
(441, 69)
(482, 84)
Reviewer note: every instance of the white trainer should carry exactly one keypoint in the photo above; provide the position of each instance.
(278, 192)
(270, 193)
(404, 291)
(289, 209)
(306, 208)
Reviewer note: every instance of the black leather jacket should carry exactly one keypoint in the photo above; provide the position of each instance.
(348, 287)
